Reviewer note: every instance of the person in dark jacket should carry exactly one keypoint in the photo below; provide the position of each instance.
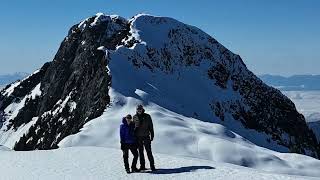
(145, 134)
(128, 142)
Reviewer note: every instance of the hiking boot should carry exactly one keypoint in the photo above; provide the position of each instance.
(152, 168)
(135, 169)
(142, 168)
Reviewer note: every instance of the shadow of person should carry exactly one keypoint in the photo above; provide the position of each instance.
(181, 170)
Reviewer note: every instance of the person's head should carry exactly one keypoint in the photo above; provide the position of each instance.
(140, 109)
(129, 118)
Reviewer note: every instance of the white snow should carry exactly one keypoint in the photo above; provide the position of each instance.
(176, 132)
(60, 105)
(10, 90)
(72, 105)
(36, 91)
(82, 24)
(100, 17)
(94, 163)
(102, 48)
(183, 120)
(185, 128)
(13, 109)
(182, 136)
(3, 148)
(9, 137)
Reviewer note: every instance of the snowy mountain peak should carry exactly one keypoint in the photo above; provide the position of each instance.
(107, 65)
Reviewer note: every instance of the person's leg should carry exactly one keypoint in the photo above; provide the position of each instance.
(141, 154)
(135, 154)
(126, 158)
(147, 144)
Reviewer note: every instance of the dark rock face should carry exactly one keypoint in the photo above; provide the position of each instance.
(78, 73)
(314, 123)
(273, 113)
(74, 86)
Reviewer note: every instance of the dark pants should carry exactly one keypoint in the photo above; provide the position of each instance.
(145, 143)
(125, 149)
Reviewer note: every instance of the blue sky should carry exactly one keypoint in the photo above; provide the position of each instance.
(271, 36)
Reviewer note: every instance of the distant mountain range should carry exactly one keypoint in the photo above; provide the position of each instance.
(9, 78)
(293, 83)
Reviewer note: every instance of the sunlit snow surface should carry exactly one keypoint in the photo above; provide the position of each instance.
(178, 131)
(192, 141)
(94, 163)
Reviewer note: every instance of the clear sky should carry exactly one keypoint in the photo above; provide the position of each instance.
(272, 36)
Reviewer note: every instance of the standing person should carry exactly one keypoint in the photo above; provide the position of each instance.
(145, 134)
(128, 142)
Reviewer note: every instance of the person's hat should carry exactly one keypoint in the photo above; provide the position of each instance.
(140, 106)
(129, 116)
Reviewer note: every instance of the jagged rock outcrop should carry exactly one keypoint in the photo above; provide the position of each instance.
(73, 88)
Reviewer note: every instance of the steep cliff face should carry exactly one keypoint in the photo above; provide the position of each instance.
(73, 88)
(63, 95)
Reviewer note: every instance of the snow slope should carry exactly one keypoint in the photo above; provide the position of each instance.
(182, 136)
(179, 134)
(10, 136)
(177, 97)
(93, 163)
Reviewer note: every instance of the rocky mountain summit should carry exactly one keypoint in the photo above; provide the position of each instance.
(214, 85)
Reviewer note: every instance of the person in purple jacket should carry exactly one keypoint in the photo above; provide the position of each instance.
(128, 142)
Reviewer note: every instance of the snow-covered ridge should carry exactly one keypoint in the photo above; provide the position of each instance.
(182, 136)
(186, 53)
(99, 18)
(176, 131)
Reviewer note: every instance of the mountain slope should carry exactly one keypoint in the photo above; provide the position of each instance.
(162, 61)
(307, 102)
(178, 135)
(315, 126)
(79, 163)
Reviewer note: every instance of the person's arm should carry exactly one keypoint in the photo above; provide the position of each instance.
(151, 128)
(121, 134)
(136, 124)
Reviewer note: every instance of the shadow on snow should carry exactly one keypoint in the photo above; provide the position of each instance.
(180, 170)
